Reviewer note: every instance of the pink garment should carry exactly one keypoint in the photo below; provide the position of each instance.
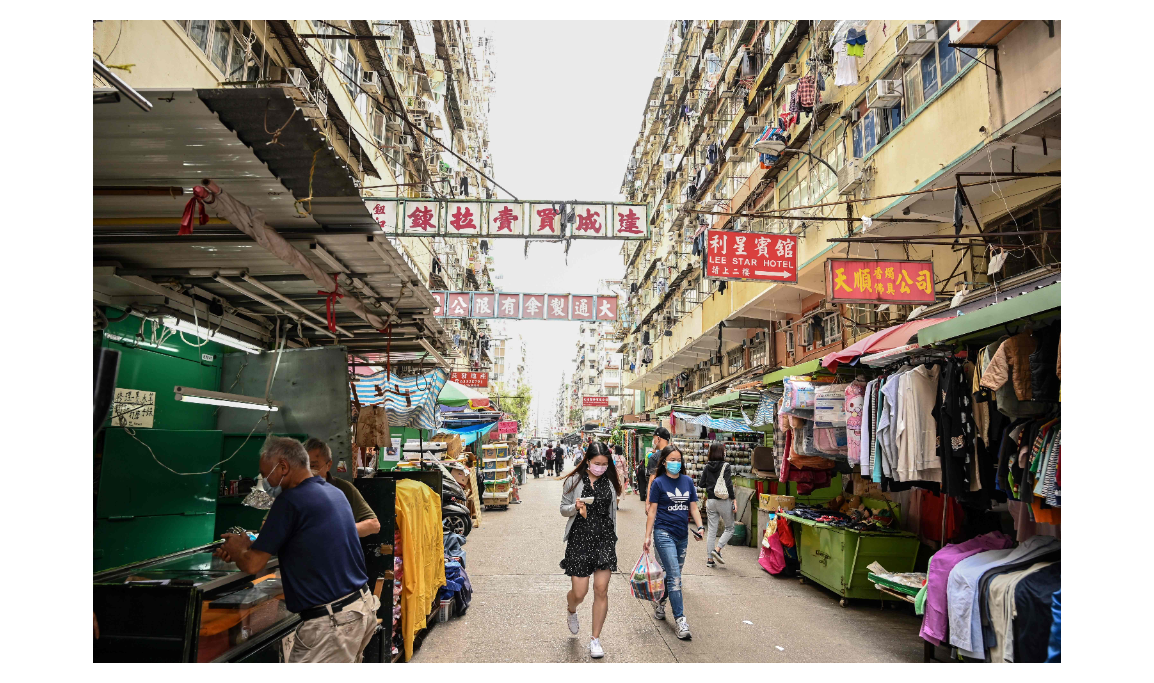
(854, 400)
(772, 559)
(935, 623)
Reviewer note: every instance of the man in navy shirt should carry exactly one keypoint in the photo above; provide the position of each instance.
(310, 529)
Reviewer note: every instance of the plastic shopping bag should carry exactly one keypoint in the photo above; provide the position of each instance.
(647, 580)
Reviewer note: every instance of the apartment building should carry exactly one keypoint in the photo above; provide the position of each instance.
(401, 106)
(874, 149)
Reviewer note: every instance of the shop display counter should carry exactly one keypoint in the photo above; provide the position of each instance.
(837, 558)
(190, 607)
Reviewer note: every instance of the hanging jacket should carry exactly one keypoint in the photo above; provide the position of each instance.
(1013, 354)
(1044, 381)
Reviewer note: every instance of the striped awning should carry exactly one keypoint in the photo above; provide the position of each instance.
(722, 424)
(422, 389)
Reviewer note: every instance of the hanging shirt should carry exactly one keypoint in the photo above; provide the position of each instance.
(916, 435)
(937, 580)
(846, 73)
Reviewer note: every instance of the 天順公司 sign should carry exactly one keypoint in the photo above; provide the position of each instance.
(870, 281)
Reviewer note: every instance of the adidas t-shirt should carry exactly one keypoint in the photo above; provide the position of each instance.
(673, 497)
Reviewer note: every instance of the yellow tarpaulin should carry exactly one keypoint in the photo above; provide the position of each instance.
(423, 555)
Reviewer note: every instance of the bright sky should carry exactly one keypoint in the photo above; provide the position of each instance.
(568, 105)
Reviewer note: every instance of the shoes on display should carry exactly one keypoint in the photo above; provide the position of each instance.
(595, 649)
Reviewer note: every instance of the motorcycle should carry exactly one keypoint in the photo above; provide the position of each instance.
(455, 516)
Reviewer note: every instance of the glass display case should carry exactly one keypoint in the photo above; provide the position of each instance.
(190, 607)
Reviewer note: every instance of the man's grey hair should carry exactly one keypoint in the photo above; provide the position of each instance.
(315, 444)
(291, 450)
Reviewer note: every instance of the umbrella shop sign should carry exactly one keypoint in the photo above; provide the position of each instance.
(594, 401)
(470, 379)
(869, 281)
(497, 218)
(750, 256)
(507, 427)
(520, 306)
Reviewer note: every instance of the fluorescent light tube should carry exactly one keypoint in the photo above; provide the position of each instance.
(207, 334)
(217, 398)
(433, 352)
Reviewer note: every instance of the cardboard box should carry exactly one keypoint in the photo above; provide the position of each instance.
(770, 503)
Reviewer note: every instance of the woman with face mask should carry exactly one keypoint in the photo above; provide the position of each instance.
(588, 499)
(672, 501)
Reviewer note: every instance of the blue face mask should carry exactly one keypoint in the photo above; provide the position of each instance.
(673, 467)
(272, 491)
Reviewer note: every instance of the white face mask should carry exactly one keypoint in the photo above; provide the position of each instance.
(263, 493)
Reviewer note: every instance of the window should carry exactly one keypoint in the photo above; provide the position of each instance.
(230, 45)
(757, 352)
(865, 134)
(831, 329)
(736, 360)
(789, 341)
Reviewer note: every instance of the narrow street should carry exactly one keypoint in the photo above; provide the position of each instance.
(517, 613)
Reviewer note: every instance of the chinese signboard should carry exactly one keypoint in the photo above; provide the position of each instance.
(750, 256)
(868, 281)
(525, 306)
(507, 427)
(470, 379)
(133, 408)
(501, 218)
(594, 401)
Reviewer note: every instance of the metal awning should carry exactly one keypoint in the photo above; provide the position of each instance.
(805, 368)
(139, 258)
(1039, 304)
(736, 400)
(693, 410)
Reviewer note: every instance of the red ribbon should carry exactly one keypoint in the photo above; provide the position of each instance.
(330, 303)
(199, 194)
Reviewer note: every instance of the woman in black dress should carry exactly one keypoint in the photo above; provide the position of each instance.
(588, 499)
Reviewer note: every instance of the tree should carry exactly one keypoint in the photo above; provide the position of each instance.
(515, 401)
(576, 417)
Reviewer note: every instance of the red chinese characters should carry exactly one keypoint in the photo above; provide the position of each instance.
(606, 308)
(588, 221)
(733, 255)
(420, 217)
(508, 305)
(557, 307)
(470, 379)
(546, 219)
(457, 305)
(505, 218)
(533, 306)
(868, 281)
(594, 401)
(385, 214)
(582, 307)
(628, 223)
(462, 218)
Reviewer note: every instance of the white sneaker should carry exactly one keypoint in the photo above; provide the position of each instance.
(595, 649)
(658, 610)
(571, 619)
(683, 629)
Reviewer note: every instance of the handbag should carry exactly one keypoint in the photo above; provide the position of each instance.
(720, 490)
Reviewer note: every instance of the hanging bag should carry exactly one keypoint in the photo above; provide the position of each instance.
(647, 580)
(720, 490)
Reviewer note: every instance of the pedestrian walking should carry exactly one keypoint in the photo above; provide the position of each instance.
(648, 469)
(587, 499)
(719, 511)
(550, 464)
(558, 459)
(619, 464)
(672, 501)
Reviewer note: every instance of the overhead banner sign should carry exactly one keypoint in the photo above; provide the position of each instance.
(507, 427)
(498, 218)
(594, 401)
(868, 281)
(750, 256)
(521, 306)
(479, 380)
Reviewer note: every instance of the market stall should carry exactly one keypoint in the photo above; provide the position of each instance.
(497, 473)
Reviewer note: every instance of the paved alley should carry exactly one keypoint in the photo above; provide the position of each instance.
(738, 613)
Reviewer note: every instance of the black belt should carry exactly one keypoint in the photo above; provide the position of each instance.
(337, 605)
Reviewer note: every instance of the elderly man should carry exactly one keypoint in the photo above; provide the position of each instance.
(320, 462)
(310, 528)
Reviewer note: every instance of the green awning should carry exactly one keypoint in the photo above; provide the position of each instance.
(734, 399)
(805, 368)
(664, 410)
(1040, 302)
(638, 426)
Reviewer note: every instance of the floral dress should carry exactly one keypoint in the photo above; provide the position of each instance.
(592, 542)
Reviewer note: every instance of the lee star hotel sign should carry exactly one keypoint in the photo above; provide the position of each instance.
(499, 218)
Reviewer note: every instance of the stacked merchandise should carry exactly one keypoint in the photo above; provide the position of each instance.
(695, 453)
(809, 438)
(398, 578)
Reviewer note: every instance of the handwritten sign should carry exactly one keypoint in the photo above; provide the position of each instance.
(133, 408)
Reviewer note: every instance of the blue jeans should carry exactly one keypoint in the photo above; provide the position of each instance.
(671, 552)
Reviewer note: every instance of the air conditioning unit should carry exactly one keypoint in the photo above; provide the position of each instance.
(732, 154)
(790, 72)
(371, 82)
(849, 177)
(884, 94)
(915, 39)
(755, 123)
(407, 143)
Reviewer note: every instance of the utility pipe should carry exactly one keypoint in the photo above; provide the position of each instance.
(259, 299)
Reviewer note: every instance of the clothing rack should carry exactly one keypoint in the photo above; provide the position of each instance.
(911, 353)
